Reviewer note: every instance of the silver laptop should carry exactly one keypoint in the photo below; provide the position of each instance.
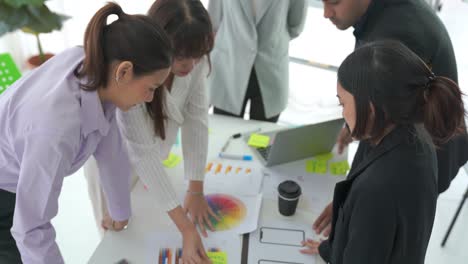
(299, 143)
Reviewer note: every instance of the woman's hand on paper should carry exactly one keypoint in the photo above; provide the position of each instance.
(193, 250)
(200, 212)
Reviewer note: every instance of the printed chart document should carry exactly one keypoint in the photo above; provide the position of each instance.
(237, 213)
(232, 190)
(239, 177)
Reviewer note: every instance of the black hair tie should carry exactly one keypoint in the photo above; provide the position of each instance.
(431, 78)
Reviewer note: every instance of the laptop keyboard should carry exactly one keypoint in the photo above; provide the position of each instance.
(264, 152)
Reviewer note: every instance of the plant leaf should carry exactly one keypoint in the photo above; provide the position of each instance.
(12, 19)
(42, 20)
(20, 3)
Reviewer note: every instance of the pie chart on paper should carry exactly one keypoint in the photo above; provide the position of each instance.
(229, 209)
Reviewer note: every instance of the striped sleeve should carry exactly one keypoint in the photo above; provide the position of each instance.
(195, 127)
(144, 152)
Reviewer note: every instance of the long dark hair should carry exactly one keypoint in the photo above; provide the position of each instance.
(402, 90)
(188, 25)
(134, 38)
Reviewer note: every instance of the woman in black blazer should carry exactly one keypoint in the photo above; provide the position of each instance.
(400, 111)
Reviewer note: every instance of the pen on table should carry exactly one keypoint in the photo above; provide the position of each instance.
(223, 149)
(235, 157)
(237, 135)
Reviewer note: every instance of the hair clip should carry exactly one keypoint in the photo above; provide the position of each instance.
(431, 78)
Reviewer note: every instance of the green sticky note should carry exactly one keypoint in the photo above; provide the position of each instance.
(310, 166)
(321, 166)
(172, 160)
(217, 257)
(259, 141)
(316, 166)
(9, 73)
(339, 168)
(325, 156)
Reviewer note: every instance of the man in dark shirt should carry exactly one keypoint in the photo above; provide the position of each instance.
(415, 24)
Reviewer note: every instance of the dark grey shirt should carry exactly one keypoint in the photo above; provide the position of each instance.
(416, 25)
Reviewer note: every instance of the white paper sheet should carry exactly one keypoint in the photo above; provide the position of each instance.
(278, 240)
(240, 177)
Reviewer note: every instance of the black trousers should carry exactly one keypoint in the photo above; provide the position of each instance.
(8, 251)
(257, 109)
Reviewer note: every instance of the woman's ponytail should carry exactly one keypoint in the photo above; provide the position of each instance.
(134, 38)
(444, 111)
(95, 61)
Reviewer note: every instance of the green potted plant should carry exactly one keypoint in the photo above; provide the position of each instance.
(33, 17)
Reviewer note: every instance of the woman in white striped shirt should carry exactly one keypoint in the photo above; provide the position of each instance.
(151, 131)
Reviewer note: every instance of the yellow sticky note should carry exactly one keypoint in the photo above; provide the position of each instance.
(316, 166)
(217, 257)
(172, 160)
(321, 166)
(339, 168)
(259, 141)
(325, 156)
(310, 166)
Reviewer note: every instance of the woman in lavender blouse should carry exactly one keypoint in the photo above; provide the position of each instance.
(53, 119)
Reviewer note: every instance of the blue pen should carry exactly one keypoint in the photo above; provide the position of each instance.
(235, 157)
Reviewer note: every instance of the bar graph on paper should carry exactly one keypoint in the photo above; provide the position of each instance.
(223, 169)
(233, 177)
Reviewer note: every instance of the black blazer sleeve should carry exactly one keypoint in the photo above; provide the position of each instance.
(368, 242)
(324, 250)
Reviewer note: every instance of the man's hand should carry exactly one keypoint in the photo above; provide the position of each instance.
(344, 138)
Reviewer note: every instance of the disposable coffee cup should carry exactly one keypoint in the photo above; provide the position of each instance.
(288, 197)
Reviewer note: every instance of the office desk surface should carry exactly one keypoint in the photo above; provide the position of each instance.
(148, 217)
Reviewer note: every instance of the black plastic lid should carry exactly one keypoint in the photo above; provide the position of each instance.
(289, 189)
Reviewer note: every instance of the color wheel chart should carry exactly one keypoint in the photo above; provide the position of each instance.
(229, 209)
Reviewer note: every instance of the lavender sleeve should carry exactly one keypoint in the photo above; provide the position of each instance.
(45, 157)
(114, 172)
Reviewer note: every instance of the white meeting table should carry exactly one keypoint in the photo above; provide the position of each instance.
(148, 216)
